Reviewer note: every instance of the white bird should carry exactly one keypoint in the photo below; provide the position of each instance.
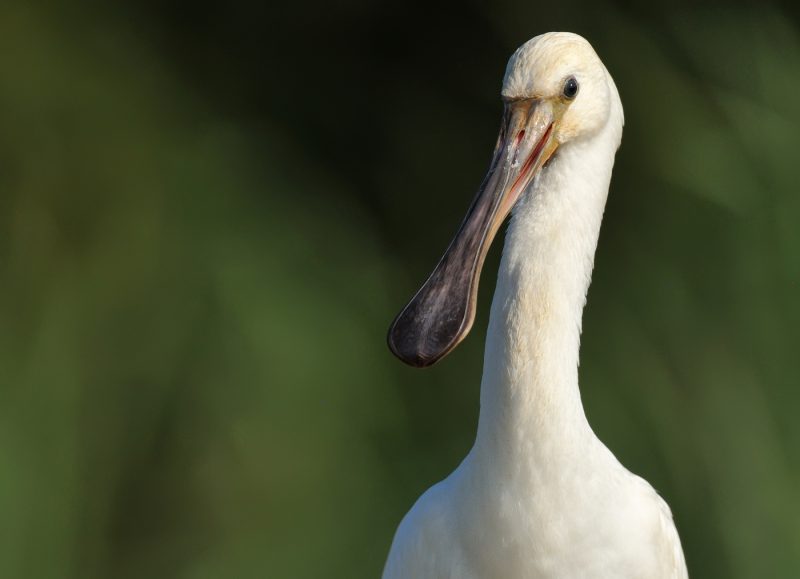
(538, 496)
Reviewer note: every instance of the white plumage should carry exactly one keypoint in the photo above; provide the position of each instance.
(539, 496)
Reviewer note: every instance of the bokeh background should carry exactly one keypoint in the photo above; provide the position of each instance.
(210, 212)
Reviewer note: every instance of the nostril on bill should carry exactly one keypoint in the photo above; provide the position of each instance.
(517, 141)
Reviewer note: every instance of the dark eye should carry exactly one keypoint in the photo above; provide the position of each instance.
(570, 88)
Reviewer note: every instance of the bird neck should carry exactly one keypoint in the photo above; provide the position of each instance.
(531, 408)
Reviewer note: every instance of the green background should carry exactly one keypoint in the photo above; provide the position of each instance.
(210, 213)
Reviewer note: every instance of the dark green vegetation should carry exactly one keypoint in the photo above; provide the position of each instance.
(210, 213)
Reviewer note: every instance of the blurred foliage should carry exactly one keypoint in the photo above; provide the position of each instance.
(210, 214)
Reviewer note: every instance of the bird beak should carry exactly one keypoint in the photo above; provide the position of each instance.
(441, 313)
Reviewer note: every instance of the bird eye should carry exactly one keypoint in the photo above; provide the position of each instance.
(570, 88)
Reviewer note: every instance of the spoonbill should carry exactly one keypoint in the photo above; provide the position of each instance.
(538, 495)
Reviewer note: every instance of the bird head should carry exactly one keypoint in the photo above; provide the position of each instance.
(556, 91)
(560, 73)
